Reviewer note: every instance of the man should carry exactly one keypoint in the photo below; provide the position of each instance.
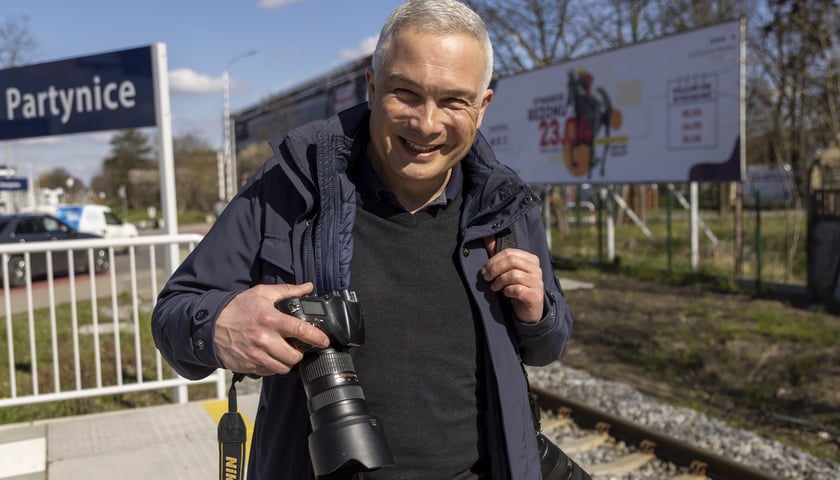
(402, 201)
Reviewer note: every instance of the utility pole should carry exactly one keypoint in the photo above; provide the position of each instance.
(229, 158)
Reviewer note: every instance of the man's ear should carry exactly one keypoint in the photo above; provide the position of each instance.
(371, 87)
(485, 101)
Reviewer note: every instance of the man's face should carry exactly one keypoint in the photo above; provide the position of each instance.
(426, 107)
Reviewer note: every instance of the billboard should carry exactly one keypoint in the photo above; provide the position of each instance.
(106, 91)
(667, 110)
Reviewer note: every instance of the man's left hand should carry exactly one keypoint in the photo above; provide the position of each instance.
(518, 276)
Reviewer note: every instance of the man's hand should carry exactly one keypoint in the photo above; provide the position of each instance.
(517, 274)
(251, 334)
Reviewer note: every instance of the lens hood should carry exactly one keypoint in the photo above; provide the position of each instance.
(353, 445)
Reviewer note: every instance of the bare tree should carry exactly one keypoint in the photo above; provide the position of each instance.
(681, 15)
(16, 45)
(528, 34)
(795, 52)
(16, 42)
(617, 23)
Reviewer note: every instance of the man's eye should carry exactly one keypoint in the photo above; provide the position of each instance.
(455, 102)
(404, 94)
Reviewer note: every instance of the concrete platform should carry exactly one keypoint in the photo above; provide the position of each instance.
(165, 443)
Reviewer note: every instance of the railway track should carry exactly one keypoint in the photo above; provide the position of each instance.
(627, 450)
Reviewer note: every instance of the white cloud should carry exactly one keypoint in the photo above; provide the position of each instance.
(49, 140)
(365, 48)
(277, 3)
(190, 82)
(185, 80)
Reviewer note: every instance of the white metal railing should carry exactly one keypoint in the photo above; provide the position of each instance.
(60, 326)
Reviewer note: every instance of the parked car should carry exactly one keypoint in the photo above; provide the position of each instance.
(43, 227)
(98, 219)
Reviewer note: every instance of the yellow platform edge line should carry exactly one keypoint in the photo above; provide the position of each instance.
(217, 408)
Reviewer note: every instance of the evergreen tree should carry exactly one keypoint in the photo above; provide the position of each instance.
(130, 161)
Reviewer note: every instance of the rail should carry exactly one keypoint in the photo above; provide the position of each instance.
(702, 464)
(81, 328)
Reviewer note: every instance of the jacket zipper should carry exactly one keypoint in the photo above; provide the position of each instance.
(306, 248)
(306, 253)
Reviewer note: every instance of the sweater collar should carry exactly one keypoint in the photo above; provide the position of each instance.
(370, 184)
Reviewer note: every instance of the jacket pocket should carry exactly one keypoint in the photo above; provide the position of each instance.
(276, 260)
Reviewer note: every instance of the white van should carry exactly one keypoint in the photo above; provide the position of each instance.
(98, 219)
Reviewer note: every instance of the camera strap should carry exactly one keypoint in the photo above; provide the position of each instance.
(232, 435)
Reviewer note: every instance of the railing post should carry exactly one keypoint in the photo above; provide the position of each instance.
(670, 238)
(758, 241)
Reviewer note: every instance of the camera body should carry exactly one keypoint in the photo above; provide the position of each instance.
(336, 313)
(345, 436)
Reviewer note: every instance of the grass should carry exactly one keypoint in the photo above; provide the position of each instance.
(766, 250)
(739, 357)
(63, 372)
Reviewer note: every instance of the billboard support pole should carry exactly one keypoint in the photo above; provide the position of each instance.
(610, 221)
(694, 217)
(680, 198)
(630, 213)
(547, 215)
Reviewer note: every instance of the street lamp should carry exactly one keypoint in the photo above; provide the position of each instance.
(229, 156)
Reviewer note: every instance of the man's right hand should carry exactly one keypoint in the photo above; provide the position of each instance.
(251, 333)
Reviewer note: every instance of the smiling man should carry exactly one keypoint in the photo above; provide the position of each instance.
(401, 201)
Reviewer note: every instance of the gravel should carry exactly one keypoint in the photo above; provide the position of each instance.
(769, 456)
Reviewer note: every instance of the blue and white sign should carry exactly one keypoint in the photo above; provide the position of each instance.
(106, 91)
(12, 183)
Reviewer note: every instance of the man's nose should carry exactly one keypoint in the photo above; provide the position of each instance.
(427, 118)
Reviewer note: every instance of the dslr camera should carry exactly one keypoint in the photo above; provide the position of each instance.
(345, 436)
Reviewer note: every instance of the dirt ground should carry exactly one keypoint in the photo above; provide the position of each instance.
(760, 364)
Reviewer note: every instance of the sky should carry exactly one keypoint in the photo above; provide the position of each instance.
(294, 40)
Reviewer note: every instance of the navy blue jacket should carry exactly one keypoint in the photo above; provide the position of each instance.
(293, 223)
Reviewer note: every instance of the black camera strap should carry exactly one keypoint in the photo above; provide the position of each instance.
(232, 435)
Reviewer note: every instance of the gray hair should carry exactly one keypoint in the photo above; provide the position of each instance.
(434, 17)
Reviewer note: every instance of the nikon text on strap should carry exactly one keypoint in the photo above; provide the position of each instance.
(232, 435)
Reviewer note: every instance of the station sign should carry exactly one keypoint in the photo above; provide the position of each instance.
(13, 184)
(106, 91)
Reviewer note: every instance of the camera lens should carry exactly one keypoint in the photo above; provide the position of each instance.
(556, 465)
(344, 433)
